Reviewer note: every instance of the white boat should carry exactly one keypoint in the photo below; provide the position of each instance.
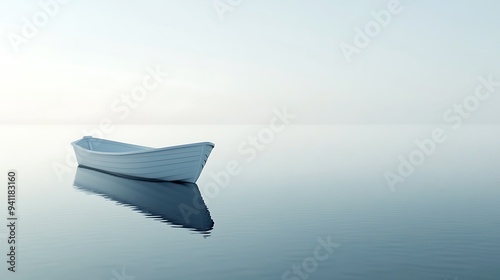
(177, 204)
(182, 163)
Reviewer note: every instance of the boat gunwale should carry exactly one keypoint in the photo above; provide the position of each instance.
(146, 151)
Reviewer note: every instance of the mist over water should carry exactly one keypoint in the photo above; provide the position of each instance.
(353, 139)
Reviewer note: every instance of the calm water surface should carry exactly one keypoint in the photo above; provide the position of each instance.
(310, 203)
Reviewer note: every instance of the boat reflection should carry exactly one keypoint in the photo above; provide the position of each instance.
(178, 204)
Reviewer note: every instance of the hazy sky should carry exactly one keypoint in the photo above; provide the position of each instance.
(263, 55)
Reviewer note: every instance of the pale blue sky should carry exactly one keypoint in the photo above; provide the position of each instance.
(263, 55)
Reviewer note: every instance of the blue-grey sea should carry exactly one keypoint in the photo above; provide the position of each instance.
(374, 202)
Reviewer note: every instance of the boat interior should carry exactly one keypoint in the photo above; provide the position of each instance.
(101, 145)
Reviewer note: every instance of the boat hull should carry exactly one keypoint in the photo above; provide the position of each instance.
(182, 163)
